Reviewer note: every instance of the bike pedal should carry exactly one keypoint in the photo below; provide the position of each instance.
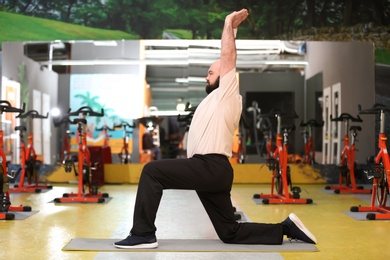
(376, 172)
(296, 191)
(271, 163)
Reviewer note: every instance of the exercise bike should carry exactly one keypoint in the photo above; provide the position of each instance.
(65, 157)
(380, 170)
(124, 155)
(29, 165)
(309, 156)
(262, 123)
(347, 179)
(5, 203)
(87, 190)
(281, 184)
(267, 145)
(105, 130)
(185, 121)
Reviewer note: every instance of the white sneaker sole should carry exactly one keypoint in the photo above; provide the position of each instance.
(294, 218)
(140, 246)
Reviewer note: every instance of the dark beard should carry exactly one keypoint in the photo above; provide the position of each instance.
(211, 87)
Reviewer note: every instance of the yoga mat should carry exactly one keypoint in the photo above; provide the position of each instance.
(22, 215)
(186, 245)
(258, 201)
(361, 215)
(42, 191)
(365, 187)
(188, 255)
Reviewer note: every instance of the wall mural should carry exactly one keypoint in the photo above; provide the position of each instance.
(100, 91)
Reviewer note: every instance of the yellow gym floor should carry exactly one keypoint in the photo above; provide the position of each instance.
(44, 234)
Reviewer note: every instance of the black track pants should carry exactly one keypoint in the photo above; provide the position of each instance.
(211, 176)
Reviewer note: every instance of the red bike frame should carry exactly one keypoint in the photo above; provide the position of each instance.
(105, 129)
(23, 157)
(309, 156)
(28, 158)
(65, 150)
(6, 206)
(380, 172)
(281, 180)
(267, 138)
(124, 155)
(84, 161)
(269, 143)
(240, 150)
(65, 153)
(347, 178)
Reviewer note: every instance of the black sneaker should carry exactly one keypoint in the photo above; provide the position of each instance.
(298, 231)
(137, 242)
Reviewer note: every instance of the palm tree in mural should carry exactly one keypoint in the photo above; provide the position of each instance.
(114, 118)
(107, 111)
(90, 101)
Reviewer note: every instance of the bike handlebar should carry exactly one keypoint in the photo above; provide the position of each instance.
(312, 122)
(105, 127)
(188, 117)
(20, 128)
(64, 120)
(78, 120)
(279, 113)
(87, 111)
(189, 108)
(376, 109)
(145, 121)
(123, 124)
(9, 108)
(346, 116)
(254, 108)
(32, 114)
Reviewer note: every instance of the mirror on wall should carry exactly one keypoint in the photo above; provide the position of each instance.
(271, 58)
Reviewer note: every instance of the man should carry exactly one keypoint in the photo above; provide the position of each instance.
(207, 169)
(148, 144)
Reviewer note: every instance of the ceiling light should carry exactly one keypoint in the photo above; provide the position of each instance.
(105, 43)
(181, 80)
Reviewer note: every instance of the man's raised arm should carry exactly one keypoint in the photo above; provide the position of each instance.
(228, 44)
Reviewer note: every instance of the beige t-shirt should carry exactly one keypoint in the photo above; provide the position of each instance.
(216, 118)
